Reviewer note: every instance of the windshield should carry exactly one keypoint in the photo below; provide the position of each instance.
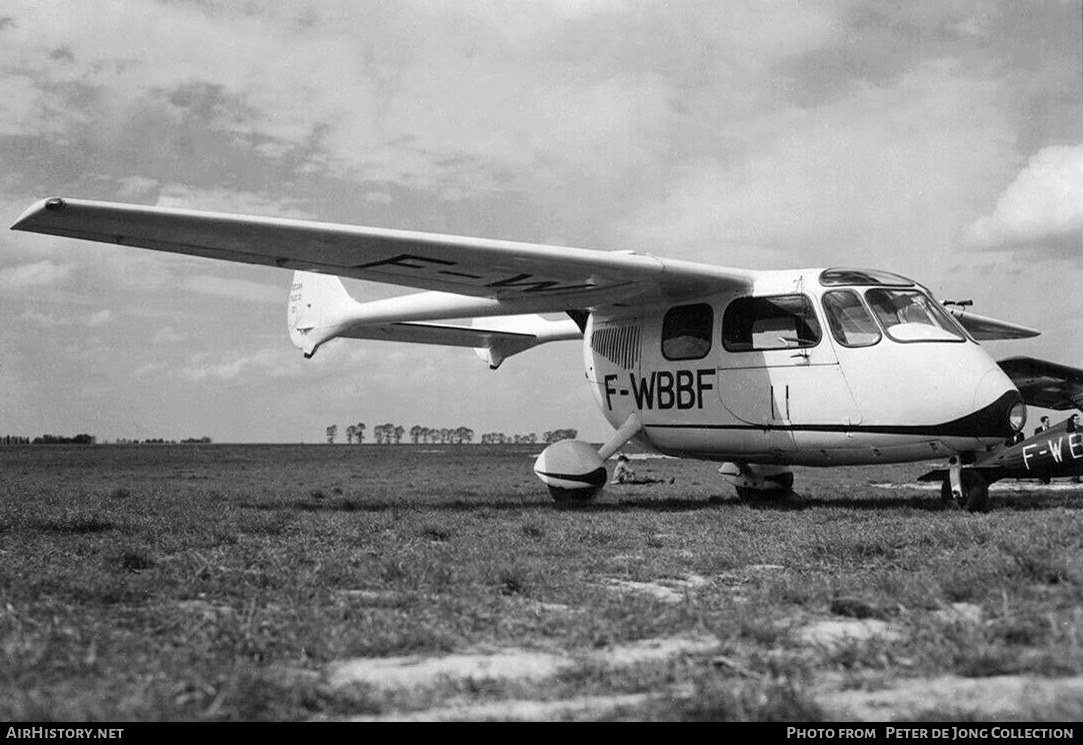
(909, 316)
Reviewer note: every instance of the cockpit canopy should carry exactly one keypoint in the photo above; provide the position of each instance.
(846, 276)
(904, 310)
(859, 308)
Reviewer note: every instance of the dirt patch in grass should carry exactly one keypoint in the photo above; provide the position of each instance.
(654, 650)
(378, 597)
(583, 708)
(419, 671)
(416, 671)
(517, 668)
(833, 633)
(672, 590)
(1006, 697)
(960, 613)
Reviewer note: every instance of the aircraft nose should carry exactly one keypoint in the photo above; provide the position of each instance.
(995, 400)
(992, 386)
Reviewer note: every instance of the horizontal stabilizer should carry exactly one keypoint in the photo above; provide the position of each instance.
(492, 344)
(504, 336)
(984, 328)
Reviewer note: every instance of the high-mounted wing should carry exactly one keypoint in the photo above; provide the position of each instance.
(521, 275)
(1045, 384)
(984, 328)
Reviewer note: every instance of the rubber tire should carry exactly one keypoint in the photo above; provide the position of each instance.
(975, 491)
(573, 496)
(785, 482)
(975, 495)
(945, 493)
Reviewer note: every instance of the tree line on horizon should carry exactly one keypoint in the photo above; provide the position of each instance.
(392, 434)
(80, 439)
(85, 439)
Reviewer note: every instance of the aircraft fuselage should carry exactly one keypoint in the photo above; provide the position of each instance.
(812, 367)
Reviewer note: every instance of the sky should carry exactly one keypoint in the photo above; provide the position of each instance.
(938, 139)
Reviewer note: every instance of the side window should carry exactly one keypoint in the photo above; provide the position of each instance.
(686, 332)
(850, 323)
(752, 324)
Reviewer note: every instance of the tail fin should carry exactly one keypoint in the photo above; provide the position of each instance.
(319, 305)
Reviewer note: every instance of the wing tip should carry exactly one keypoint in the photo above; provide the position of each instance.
(1024, 332)
(49, 204)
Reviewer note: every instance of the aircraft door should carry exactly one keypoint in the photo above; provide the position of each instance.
(777, 369)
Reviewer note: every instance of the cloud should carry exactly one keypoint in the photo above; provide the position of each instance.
(263, 363)
(1042, 206)
(218, 199)
(100, 318)
(461, 99)
(167, 335)
(51, 320)
(236, 289)
(38, 274)
(833, 182)
(133, 187)
(43, 320)
(149, 369)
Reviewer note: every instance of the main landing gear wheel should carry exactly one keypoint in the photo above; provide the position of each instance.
(975, 496)
(573, 496)
(573, 471)
(784, 490)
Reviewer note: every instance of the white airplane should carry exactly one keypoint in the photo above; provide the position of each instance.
(759, 370)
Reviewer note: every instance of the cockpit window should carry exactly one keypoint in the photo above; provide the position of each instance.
(833, 277)
(687, 332)
(909, 315)
(752, 324)
(850, 323)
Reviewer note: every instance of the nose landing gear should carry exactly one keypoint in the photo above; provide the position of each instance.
(964, 487)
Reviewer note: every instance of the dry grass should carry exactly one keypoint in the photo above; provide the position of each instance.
(224, 582)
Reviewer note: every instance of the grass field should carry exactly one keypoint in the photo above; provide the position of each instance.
(330, 582)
